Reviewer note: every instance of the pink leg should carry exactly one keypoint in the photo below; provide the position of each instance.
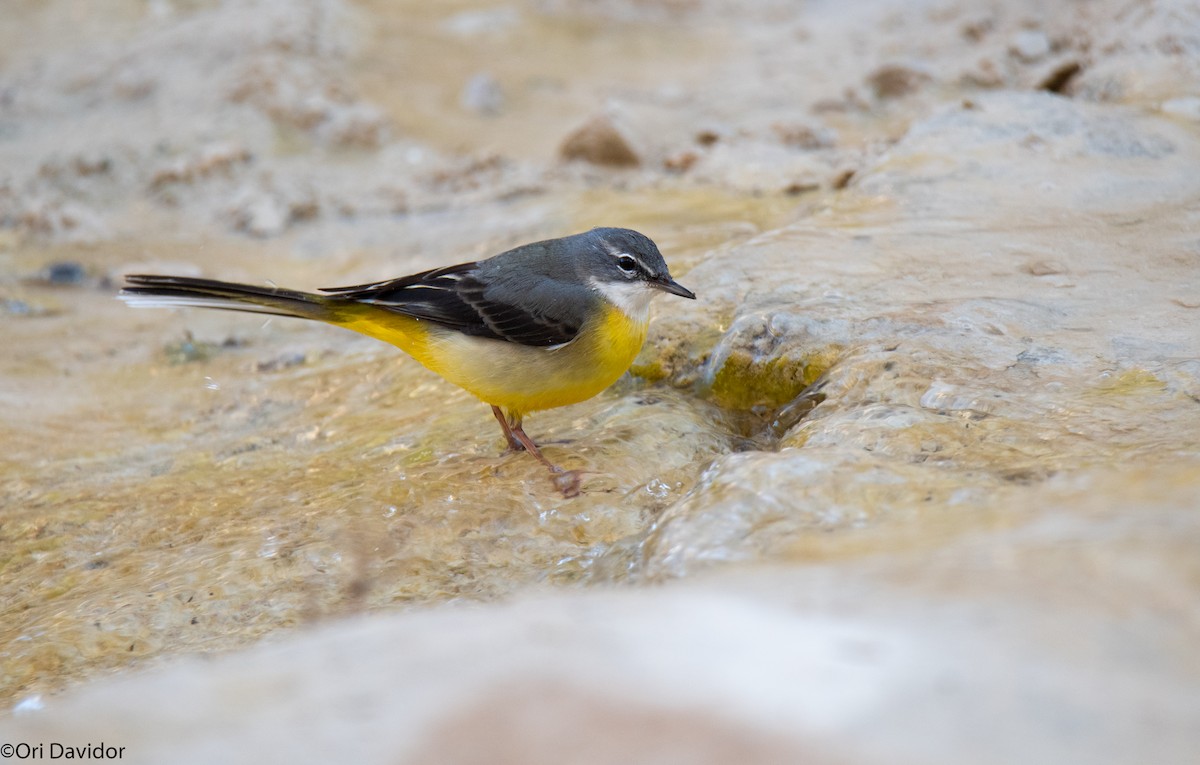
(513, 444)
(566, 481)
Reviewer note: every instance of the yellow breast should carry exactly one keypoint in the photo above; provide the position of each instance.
(517, 378)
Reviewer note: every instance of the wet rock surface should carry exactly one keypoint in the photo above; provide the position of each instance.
(914, 480)
(988, 384)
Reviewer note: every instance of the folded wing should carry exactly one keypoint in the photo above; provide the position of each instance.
(456, 297)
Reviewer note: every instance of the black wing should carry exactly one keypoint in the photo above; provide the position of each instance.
(455, 297)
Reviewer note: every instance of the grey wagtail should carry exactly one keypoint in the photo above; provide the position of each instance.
(544, 325)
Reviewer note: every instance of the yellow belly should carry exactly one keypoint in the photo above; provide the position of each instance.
(517, 378)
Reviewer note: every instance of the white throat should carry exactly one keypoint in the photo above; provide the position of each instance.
(633, 298)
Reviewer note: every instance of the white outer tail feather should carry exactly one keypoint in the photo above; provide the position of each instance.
(164, 301)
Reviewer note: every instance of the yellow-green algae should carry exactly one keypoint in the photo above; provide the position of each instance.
(1131, 381)
(745, 382)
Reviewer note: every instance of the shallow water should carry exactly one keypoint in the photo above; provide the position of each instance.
(186, 482)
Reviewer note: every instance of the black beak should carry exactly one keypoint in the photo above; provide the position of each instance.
(667, 284)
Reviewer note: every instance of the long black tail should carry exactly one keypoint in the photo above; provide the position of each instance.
(148, 291)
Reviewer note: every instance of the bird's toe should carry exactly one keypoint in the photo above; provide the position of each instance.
(568, 482)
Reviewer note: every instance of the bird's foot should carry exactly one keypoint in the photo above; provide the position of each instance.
(566, 481)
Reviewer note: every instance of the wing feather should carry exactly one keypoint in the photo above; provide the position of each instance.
(455, 297)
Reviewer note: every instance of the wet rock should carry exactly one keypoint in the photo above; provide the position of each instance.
(761, 166)
(757, 500)
(600, 141)
(1024, 126)
(921, 386)
(1139, 57)
(746, 370)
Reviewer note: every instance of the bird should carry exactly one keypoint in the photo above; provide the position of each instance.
(543, 325)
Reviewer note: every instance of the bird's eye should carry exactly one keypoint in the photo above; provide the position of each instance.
(627, 264)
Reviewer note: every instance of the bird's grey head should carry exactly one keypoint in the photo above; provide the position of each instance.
(626, 268)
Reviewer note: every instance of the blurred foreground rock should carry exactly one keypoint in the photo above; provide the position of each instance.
(987, 649)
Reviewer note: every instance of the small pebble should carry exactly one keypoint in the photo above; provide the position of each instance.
(894, 80)
(599, 142)
(64, 272)
(1030, 45)
(483, 95)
